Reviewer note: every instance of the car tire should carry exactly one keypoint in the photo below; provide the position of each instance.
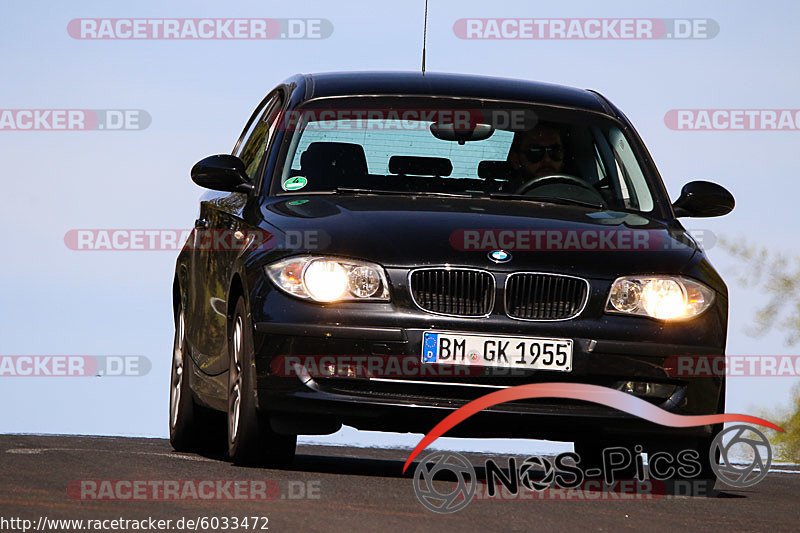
(191, 427)
(701, 484)
(590, 453)
(251, 440)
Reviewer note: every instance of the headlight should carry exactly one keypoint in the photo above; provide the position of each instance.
(662, 297)
(328, 279)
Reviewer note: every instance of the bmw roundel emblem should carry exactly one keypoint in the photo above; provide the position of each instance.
(500, 256)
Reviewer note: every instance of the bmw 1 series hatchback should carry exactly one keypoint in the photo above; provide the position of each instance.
(380, 249)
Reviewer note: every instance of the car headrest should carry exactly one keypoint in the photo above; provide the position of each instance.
(495, 170)
(420, 166)
(333, 159)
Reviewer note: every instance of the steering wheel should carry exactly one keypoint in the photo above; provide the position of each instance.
(552, 179)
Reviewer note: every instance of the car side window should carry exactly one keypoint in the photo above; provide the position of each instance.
(621, 175)
(631, 179)
(258, 136)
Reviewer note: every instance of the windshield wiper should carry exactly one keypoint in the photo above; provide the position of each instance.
(353, 190)
(506, 196)
(546, 199)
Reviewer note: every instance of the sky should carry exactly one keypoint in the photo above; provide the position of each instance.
(199, 93)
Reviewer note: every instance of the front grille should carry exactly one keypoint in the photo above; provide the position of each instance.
(533, 296)
(453, 291)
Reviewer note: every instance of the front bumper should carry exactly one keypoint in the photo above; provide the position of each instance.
(409, 399)
(608, 350)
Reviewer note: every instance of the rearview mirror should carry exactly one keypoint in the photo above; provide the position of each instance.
(222, 173)
(703, 199)
(461, 133)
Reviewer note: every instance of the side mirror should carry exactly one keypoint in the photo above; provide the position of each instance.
(222, 173)
(703, 199)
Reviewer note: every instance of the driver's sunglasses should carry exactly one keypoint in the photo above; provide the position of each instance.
(534, 154)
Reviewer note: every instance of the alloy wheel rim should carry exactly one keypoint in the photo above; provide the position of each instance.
(236, 390)
(177, 371)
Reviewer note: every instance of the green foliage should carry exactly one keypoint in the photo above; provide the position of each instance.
(778, 277)
(787, 444)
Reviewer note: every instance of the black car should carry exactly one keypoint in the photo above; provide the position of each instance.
(382, 248)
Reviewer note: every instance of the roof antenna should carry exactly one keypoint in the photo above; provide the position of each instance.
(424, 37)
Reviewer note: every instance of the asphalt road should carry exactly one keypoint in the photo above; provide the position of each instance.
(329, 489)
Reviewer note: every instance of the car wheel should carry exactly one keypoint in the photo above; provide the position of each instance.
(250, 438)
(700, 484)
(191, 427)
(591, 459)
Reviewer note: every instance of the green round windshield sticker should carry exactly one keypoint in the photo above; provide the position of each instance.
(295, 183)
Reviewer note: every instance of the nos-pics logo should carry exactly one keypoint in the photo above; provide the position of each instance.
(745, 456)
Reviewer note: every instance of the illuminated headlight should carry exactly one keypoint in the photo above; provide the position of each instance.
(661, 297)
(328, 279)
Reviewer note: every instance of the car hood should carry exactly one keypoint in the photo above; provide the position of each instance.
(403, 231)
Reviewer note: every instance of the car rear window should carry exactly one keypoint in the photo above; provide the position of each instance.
(380, 145)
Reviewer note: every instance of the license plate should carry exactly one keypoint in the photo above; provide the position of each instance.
(534, 353)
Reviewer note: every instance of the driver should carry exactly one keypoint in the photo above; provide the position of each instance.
(535, 153)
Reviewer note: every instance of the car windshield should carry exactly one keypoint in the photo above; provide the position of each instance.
(374, 145)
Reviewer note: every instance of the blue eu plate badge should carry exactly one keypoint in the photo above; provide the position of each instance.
(430, 345)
